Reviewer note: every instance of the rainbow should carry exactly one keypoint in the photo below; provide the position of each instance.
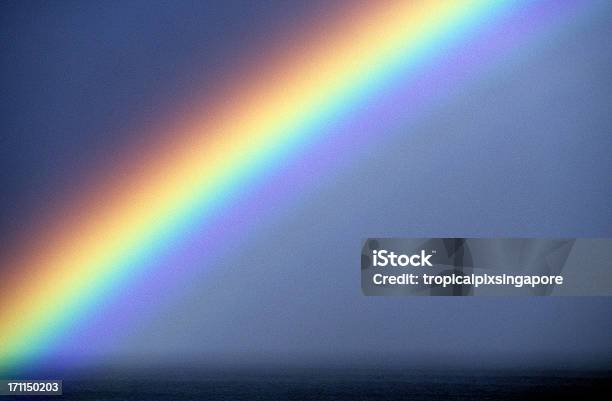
(95, 247)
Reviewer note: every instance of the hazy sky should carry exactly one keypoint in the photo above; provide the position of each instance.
(523, 151)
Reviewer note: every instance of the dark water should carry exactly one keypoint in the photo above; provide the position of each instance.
(340, 387)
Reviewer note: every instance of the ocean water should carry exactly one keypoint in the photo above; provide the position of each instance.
(361, 386)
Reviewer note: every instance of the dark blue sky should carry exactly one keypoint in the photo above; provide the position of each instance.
(81, 80)
(523, 152)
